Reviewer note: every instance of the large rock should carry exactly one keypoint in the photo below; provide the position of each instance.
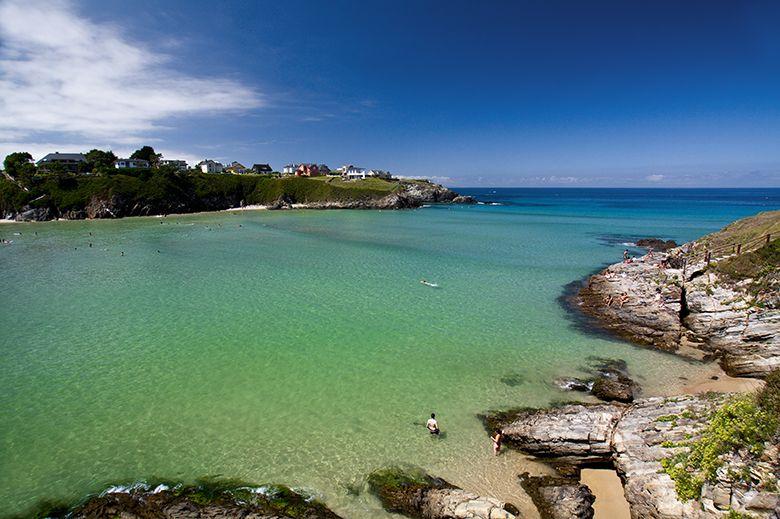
(559, 498)
(212, 500)
(656, 244)
(609, 380)
(416, 494)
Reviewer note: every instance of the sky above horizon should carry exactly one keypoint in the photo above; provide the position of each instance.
(521, 93)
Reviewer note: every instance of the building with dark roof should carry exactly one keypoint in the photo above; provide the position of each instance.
(69, 161)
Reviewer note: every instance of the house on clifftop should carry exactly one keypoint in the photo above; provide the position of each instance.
(210, 166)
(263, 169)
(307, 170)
(236, 168)
(131, 163)
(180, 165)
(70, 161)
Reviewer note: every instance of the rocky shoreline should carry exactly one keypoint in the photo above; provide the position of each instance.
(680, 300)
(703, 456)
(636, 439)
(213, 499)
(409, 195)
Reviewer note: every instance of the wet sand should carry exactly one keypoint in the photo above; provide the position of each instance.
(606, 486)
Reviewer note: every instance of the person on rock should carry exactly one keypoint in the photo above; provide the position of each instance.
(432, 424)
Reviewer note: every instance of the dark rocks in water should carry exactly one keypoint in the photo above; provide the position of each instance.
(464, 199)
(609, 380)
(513, 379)
(656, 243)
(213, 499)
(608, 389)
(574, 384)
(559, 498)
(612, 381)
(412, 492)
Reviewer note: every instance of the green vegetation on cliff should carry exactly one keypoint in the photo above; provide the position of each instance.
(160, 191)
(744, 422)
(760, 266)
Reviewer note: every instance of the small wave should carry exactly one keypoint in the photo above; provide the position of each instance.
(125, 489)
(495, 203)
(628, 244)
(480, 203)
(425, 205)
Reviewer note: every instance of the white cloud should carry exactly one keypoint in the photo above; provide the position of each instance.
(72, 79)
(655, 178)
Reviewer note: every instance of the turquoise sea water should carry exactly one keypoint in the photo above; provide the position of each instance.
(300, 347)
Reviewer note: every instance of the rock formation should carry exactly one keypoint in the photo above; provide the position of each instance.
(666, 300)
(609, 381)
(414, 493)
(559, 498)
(634, 439)
(212, 500)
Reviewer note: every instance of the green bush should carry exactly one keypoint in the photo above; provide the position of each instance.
(743, 422)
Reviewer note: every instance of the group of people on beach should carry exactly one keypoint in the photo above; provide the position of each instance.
(433, 427)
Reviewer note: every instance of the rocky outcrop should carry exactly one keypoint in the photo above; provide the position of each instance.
(634, 439)
(414, 493)
(665, 300)
(609, 381)
(209, 500)
(656, 244)
(559, 498)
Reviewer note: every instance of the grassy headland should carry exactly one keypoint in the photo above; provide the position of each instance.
(161, 191)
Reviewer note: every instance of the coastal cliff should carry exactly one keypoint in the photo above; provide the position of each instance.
(75, 197)
(719, 294)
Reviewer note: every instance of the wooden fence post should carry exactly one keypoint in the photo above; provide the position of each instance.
(739, 248)
(768, 238)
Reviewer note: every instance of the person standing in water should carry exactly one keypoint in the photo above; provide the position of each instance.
(497, 439)
(432, 425)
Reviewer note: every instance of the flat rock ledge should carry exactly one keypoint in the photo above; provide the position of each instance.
(206, 500)
(414, 493)
(654, 301)
(634, 438)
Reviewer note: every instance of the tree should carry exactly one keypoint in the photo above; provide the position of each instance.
(147, 153)
(14, 162)
(100, 161)
(20, 166)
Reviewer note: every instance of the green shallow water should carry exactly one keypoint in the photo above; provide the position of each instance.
(291, 347)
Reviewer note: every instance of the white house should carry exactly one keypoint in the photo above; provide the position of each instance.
(181, 165)
(351, 172)
(211, 166)
(131, 163)
(290, 169)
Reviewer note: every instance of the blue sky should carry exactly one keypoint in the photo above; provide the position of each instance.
(473, 93)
